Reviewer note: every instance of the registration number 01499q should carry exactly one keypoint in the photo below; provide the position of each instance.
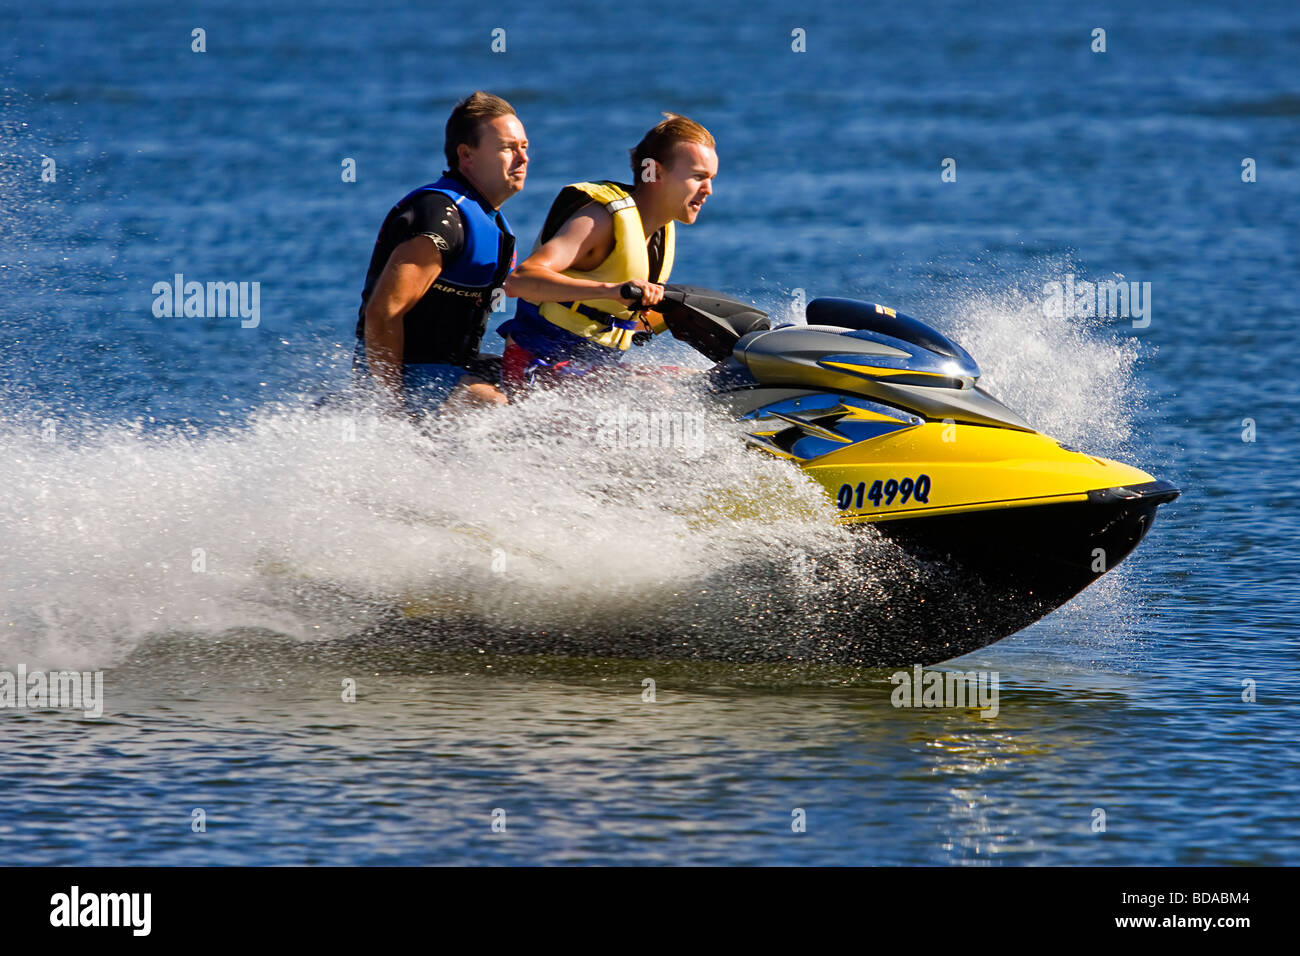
(884, 493)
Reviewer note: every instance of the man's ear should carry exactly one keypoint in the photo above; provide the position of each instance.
(463, 152)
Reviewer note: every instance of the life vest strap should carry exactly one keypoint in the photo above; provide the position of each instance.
(604, 317)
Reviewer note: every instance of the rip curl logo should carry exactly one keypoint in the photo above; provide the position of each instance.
(74, 909)
(468, 293)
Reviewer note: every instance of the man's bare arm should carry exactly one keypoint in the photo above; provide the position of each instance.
(582, 243)
(410, 271)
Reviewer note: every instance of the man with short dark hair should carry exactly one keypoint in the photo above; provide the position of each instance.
(572, 317)
(441, 258)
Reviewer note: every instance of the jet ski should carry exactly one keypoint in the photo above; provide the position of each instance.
(887, 414)
(966, 524)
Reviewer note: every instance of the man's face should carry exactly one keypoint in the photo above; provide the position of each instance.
(688, 180)
(498, 165)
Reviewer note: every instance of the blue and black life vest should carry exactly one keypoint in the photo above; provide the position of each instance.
(447, 324)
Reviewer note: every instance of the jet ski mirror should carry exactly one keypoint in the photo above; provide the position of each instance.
(709, 322)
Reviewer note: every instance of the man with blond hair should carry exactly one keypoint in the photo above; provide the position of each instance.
(599, 237)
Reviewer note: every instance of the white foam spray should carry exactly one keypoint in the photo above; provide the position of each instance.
(317, 523)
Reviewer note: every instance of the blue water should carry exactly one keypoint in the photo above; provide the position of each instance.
(129, 440)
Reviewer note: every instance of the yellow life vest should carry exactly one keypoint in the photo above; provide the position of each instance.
(594, 319)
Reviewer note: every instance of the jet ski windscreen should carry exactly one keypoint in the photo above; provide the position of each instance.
(865, 316)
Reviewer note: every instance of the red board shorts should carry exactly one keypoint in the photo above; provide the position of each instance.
(522, 370)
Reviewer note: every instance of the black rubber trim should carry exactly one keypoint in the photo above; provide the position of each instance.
(1155, 492)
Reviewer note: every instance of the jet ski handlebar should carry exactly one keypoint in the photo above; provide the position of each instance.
(708, 321)
(633, 292)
